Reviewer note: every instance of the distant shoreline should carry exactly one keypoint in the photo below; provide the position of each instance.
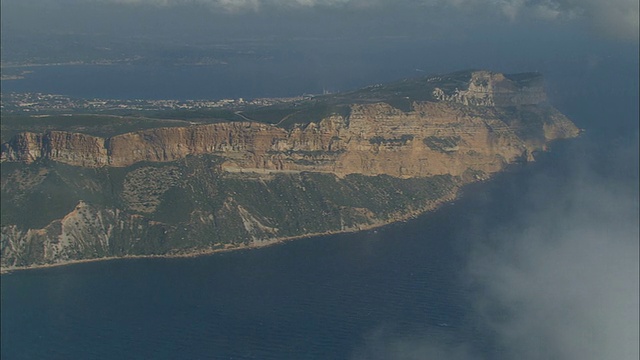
(70, 63)
(275, 241)
(125, 62)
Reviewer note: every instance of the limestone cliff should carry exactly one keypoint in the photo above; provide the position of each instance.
(374, 139)
(68, 196)
(485, 88)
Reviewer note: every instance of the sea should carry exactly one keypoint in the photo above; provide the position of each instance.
(314, 298)
(359, 295)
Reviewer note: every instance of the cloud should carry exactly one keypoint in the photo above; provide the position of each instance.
(568, 281)
(561, 281)
(618, 18)
(380, 345)
(615, 18)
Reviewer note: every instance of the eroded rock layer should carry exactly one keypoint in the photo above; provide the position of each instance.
(434, 138)
(178, 190)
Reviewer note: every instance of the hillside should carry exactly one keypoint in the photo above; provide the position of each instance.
(80, 190)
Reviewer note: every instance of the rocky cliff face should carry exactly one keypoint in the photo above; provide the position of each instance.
(69, 196)
(486, 88)
(374, 139)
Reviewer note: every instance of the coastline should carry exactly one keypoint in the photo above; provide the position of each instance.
(457, 192)
(433, 206)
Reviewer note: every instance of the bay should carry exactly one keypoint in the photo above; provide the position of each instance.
(159, 82)
(285, 77)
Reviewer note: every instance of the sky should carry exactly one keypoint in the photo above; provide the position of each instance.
(341, 44)
(567, 270)
(614, 19)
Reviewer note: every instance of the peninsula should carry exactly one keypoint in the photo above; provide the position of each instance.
(180, 182)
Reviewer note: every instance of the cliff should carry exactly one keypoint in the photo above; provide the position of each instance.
(206, 187)
(485, 88)
(374, 139)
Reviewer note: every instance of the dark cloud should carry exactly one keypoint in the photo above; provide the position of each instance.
(617, 18)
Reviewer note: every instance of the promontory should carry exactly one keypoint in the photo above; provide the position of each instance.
(85, 187)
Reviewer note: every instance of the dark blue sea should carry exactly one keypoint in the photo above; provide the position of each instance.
(316, 298)
(161, 82)
(330, 297)
(352, 296)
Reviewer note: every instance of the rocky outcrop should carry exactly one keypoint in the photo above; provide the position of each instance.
(487, 88)
(374, 139)
(203, 188)
(86, 232)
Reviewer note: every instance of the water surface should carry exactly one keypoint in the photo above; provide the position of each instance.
(316, 298)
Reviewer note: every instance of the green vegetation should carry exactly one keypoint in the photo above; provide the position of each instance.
(400, 95)
(34, 195)
(199, 115)
(471, 175)
(269, 114)
(191, 204)
(303, 112)
(525, 79)
(97, 125)
(199, 206)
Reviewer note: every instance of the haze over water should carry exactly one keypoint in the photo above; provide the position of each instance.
(534, 256)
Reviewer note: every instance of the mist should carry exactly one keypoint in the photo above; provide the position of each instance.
(562, 283)
(617, 18)
(557, 279)
(223, 19)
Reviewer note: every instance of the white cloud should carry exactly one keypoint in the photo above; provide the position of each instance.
(561, 282)
(569, 281)
(614, 17)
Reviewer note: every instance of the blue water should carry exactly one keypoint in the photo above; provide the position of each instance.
(306, 299)
(317, 298)
(238, 80)
(156, 82)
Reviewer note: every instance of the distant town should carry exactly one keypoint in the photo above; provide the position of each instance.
(39, 103)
